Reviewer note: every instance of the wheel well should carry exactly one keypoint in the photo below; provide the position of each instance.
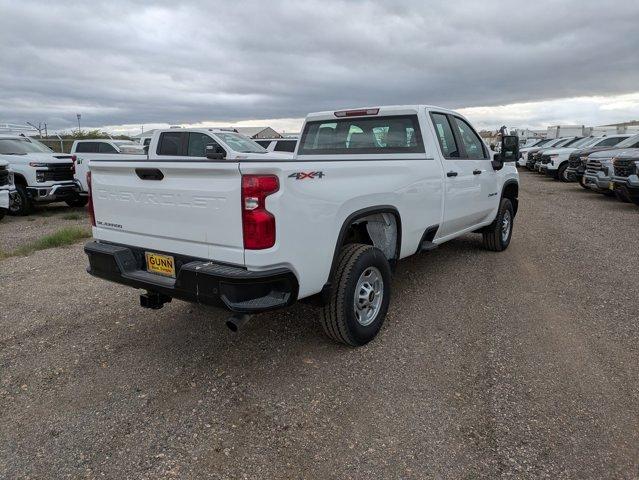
(19, 180)
(377, 226)
(511, 192)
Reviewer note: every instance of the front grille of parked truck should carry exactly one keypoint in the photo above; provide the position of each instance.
(56, 173)
(574, 160)
(594, 166)
(4, 176)
(624, 167)
(545, 159)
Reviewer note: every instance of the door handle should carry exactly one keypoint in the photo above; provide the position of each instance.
(451, 174)
(149, 173)
(476, 172)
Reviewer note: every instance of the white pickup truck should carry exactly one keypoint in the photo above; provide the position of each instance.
(85, 150)
(41, 175)
(252, 232)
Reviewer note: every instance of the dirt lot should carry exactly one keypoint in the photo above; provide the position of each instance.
(18, 231)
(522, 364)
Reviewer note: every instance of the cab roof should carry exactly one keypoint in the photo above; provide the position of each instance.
(378, 111)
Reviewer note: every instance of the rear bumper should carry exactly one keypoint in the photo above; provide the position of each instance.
(199, 281)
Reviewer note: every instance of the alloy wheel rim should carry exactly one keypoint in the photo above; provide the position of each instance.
(369, 294)
(506, 223)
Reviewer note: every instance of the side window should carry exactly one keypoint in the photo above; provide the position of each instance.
(472, 143)
(609, 142)
(147, 142)
(445, 136)
(104, 147)
(171, 143)
(87, 147)
(285, 146)
(198, 143)
(263, 143)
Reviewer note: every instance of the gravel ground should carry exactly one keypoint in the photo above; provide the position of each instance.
(18, 231)
(522, 364)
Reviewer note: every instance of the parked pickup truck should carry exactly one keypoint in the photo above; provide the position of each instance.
(531, 154)
(578, 158)
(85, 150)
(252, 232)
(538, 166)
(6, 188)
(523, 151)
(626, 176)
(41, 176)
(599, 171)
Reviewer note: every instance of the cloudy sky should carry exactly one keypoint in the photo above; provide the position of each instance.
(122, 63)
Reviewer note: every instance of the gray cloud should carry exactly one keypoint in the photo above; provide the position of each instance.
(122, 61)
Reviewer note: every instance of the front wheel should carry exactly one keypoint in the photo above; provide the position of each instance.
(622, 196)
(20, 203)
(562, 175)
(2, 213)
(497, 235)
(77, 202)
(359, 296)
(582, 182)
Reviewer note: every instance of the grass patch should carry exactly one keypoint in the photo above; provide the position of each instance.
(64, 236)
(72, 216)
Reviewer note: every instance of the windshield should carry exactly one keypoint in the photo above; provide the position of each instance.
(21, 146)
(240, 143)
(631, 142)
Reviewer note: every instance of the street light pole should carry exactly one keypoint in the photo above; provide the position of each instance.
(79, 117)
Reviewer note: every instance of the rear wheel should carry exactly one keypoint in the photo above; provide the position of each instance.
(77, 201)
(497, 235)
(359, 297)
(20, 203)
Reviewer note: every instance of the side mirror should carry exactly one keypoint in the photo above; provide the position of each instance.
(509, 148)
(214, 152)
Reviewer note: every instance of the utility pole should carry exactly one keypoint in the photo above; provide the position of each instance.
(79, 128)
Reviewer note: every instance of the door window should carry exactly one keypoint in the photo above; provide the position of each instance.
(87, 147)
(171, 143)
(106, 148)
(444, 132)
(198, 143)
(473, 144)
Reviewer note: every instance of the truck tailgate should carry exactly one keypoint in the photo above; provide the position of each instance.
(189, 208)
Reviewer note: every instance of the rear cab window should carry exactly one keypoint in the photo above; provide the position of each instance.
(362, 135)
(285, 146)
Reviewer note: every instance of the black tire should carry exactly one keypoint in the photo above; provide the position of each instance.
(582, 183)
(77, 202)
(2, 213)
(561, 173)
(20, 203)
(338, 316)
(621, 195)
(493, 238)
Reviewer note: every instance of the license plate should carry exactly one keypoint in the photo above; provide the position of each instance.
(611, 186)
(160, 264)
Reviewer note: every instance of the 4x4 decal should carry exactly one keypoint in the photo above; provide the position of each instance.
(303, 175)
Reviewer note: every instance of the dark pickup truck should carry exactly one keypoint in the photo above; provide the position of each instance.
(626, 176)
(579, 158)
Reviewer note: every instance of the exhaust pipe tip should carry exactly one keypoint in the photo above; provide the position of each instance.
(235, 322)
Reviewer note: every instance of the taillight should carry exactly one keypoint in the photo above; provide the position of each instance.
(258, 224)
(90, 203)
(73, 159)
